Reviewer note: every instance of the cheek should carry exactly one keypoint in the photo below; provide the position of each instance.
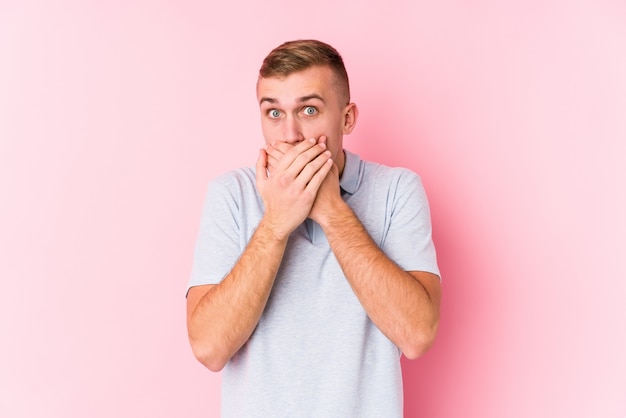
(319, 127)
(310, 130)
(269, 131)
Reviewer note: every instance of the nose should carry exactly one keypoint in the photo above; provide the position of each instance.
(291, 130)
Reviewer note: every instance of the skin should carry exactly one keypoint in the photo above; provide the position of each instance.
(304, 117)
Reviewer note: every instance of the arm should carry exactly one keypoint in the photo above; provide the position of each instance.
(403, 305)
(221, 317)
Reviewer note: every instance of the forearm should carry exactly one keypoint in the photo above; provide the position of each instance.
(221, 320)
(224, 318)
(395, 300)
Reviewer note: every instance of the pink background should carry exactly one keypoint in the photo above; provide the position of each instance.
(114, 115)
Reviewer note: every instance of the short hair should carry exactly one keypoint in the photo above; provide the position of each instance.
(294, 56)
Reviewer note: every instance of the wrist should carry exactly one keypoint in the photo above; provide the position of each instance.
(333, 214)
(272, 233)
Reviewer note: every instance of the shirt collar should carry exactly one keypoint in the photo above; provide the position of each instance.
(349, 181)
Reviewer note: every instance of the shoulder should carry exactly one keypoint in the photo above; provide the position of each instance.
(231, 191)
(401, 178)
(244, 176)
(234, 182)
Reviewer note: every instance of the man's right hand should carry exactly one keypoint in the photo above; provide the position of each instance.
(290, 188)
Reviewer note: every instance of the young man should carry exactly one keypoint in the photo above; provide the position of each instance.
(315, 271)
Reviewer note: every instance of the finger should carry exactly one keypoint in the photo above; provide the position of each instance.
(274, 155)
(308, 172)
(319, 176)
(274, 152)
(280, 157)
(291, 155)
(282, 146)
(304, 158)
(261, 165)
(271, 163)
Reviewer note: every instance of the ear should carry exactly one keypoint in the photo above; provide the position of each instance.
(350, 115)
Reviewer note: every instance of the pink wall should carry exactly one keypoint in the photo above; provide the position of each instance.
(114, 115)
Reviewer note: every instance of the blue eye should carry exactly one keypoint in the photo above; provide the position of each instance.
(310, 111)
(274, 113)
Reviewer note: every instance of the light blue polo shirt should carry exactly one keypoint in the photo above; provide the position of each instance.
(315, 352)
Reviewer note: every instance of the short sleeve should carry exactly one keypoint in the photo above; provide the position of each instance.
(408, 239)
(218, 240)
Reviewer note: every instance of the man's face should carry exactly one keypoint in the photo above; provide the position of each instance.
(306, 104)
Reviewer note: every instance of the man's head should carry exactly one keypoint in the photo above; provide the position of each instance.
(303, 93)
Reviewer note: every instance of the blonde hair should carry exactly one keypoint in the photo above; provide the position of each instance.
(294, 56)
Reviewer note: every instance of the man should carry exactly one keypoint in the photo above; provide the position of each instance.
(315, 271)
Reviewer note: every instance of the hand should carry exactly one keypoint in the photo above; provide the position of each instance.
(290, 188)
(329, 191)
(328, 195)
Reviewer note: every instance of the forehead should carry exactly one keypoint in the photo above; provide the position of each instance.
(311, 81)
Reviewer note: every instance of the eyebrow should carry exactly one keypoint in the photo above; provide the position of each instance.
(311, 96)
(268, 100)
(302, 99)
